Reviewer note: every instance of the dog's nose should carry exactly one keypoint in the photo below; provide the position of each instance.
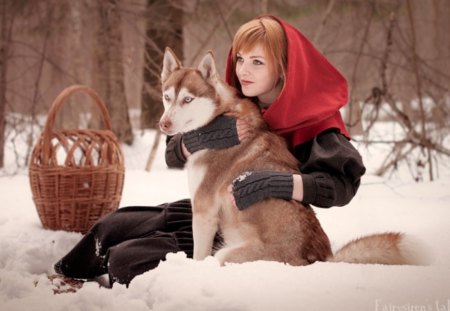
(165, 124)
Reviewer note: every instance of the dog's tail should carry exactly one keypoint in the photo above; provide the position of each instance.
(384, 248)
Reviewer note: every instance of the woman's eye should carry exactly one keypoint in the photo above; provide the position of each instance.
(188, 99)
(258, 62)
(239, 59)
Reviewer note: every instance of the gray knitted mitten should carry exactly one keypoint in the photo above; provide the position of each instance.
(220, 133)
(252, 187)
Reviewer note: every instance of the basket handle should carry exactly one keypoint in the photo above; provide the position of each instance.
(59, 101)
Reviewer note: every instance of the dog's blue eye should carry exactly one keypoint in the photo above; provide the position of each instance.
(166, 97)
(188, 99)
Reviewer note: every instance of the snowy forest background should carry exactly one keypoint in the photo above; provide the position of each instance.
(394, 53)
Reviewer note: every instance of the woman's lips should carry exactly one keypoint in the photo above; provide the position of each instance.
(246, 83)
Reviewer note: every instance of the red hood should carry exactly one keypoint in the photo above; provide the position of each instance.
(314, 92)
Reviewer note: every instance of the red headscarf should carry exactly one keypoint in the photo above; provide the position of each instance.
(313, 93)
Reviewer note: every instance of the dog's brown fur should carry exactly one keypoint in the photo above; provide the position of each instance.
(272, 229)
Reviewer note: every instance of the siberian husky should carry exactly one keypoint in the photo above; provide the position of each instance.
(273, 229)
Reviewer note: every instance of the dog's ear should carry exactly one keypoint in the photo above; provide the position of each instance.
(170, 64)
(207, 66)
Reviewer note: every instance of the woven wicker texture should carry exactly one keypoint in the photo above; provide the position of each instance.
(76, 175)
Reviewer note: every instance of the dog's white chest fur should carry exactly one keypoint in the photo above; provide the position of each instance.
(196, 173)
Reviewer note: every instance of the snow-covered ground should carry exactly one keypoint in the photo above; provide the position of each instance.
(422, 210)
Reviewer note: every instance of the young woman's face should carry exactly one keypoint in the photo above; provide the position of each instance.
(255, 76)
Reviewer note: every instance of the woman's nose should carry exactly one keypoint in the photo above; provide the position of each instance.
(242, 69)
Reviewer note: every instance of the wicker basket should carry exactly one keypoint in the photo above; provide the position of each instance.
(76, 176)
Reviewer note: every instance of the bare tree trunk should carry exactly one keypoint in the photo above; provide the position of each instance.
(264, 6)
(4, 34)
(164, 28)
(325, 17)
(109, 69)
(353, 108)
(69, 115)
(212, 31)
(153, 151)
(419, 87)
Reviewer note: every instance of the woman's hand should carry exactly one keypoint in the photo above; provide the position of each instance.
(239, 130)
(220, 133)
(243, 129)
(254, 186)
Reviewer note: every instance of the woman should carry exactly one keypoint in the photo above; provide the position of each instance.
(299, 93)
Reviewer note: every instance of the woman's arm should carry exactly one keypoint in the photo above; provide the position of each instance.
(221, 133)
(330, 174)
(297, 188)
(175, 157)
(331, 170)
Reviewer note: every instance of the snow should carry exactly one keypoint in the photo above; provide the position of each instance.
(421, 210)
